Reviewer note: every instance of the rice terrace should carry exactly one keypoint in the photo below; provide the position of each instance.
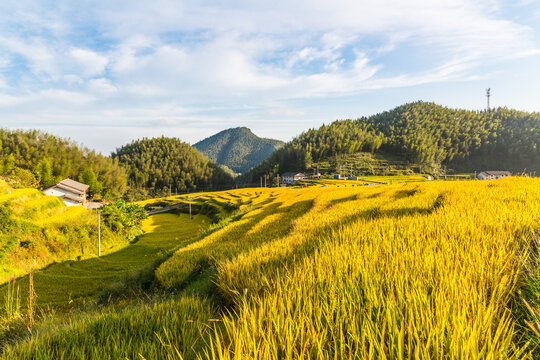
(412, 269)
(268, 180)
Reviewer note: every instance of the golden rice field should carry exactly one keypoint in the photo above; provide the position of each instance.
(417, 270)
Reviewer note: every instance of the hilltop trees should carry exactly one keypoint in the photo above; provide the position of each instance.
(238, 148)
(159, 165)
(50, 159)
(427, 136)
(151, 166)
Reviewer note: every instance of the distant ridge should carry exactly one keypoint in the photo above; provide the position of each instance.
(238, 148)
(420, 136)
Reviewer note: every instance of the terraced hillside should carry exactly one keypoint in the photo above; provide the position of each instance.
(37, 230)
(69, 283)
(408, 270)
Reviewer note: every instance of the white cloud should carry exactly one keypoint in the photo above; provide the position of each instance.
(287, 112)
(64, 97)
(40, 58)
(86, 62)
(102, 85)
(8, 100)
(172, 63)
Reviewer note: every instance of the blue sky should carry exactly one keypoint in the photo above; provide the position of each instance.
(104, 73)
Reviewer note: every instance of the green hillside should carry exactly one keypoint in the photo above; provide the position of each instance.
(161, 165)
(34, 158)
(420, 136)
(37, 230)
(239, 149)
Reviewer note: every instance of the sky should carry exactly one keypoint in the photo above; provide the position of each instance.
(104, 73)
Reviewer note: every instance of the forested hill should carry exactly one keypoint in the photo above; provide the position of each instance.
(433, 138)
(238, 148)
(36, 159)
(158, 165)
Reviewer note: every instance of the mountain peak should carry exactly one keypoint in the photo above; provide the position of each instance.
(237, 148)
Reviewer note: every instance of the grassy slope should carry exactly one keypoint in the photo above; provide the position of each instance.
(47, 231)
(365, 163)
(405, 270)
(71, 282)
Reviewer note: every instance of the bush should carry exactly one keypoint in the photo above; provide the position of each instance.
(6, 222)
(120, 216)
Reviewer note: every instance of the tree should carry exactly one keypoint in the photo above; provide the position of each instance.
(45, 173)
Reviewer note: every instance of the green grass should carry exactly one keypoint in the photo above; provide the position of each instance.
(70, 283)
(140, 331)
(4, 187)
(365, 163)
(270, 220)
(364, 180)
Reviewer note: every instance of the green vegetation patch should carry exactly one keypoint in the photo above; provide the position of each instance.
(158, 331)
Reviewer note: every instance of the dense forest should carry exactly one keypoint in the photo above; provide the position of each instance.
(158, 166)
(431, 138)
(239, 149)
(37, 159)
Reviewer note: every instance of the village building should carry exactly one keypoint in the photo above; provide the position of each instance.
(493, 175)
(352, 178)
(72, 193)
(337, 177)
(292, 177)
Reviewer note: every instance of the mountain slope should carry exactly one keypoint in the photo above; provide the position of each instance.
(238, 148)
(36, 158)
(157, 165)
(427, 136)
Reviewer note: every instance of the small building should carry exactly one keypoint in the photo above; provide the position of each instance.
(493, 175)
(292, 177)
(72, 193)
(352, 178)
(337, 176)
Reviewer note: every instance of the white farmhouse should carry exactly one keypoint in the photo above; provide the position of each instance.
(72, 192)
(493, 175)
(292, 177)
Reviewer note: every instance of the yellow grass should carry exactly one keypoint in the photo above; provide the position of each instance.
(404, 271)
(409, 270)
(70, 214)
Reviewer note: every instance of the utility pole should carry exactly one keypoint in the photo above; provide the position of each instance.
(99, 232)
(190, 200)
(488, 95)
(261, 181)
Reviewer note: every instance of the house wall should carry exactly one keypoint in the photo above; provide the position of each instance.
(61, 193)
(491, 177)
(69, 202)
(56, 192)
